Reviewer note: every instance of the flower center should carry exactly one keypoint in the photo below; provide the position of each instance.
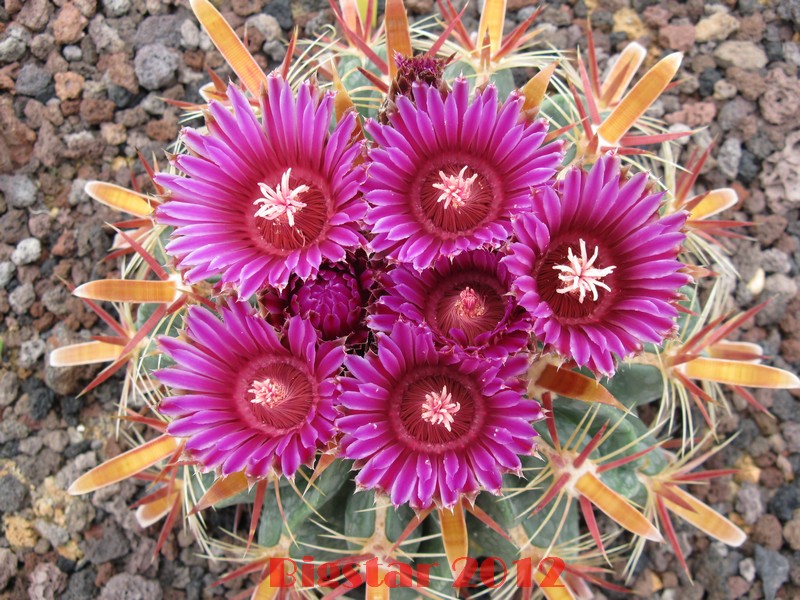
(453, 197)
(561, 275)
(439, 408)
(456, 189)
(580, 276)
(280, 394)
(280, 200)
(292, 214)
(467, 303)
(435, 409)
(267, 393)
(470, 304)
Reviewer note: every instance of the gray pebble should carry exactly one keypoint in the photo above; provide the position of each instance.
(775, 261)
(30, 445)
(55, 300)
(14, 43)
(7, 269)
(787, 409)
(789, 10)
(11, 49)
(190, 34)
(42, 45)
(791, 52)
(116, 8)
(154, 104)
(83, 143)
(20, 190)
(282, 11)
(155, 66)
(276, 50)
(266, 24)
(11, 429)
(81, 585)
(9, 388)
(105, 37)
(656, 109)
(56, 440)
(22, 298)
(47, 581)
(64, 478)
(112, 544)
(77, 192)
(33, 81)
(732, 113)
(13, 494)
(728, 158)
(760, 145)
(689, 84)
(773, 568)
(56, 535)
(8, 566)
(749, 166)
(30, 352)
(72, 53)
(131, 587)
(791, 435)
(747, 569)
(161, 29)
(742, 54)
(526, 12)
(785, 501)
(724, 90)
(781, 289)
(27, 251)
(749, 503)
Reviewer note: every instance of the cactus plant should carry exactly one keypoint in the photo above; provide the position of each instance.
(435, 335)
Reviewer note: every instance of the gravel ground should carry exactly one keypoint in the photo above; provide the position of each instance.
(81, 90)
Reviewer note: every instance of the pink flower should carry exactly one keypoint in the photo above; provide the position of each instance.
(448, 174)
(263, 200)
(596, 267)
(466, 302)
(427, 427)
(247, 398)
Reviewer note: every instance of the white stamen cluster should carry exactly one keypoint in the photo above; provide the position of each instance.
(282, 200)
(439, 408)
(267, 393)
(470, 304)
(580, 276)
(456, 189)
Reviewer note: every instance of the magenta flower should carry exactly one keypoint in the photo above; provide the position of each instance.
(596, 267)
(447, 175)
(334, 301)
(263, 200)
(250, 400)
(466, 302)
(426, 427)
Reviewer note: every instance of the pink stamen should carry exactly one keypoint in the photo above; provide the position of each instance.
(280, 200)
(267, 393)
(470, 304)
(439, 408)
(580, 276)
(456, 189)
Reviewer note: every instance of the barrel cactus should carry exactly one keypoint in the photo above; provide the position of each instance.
(435, 309)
